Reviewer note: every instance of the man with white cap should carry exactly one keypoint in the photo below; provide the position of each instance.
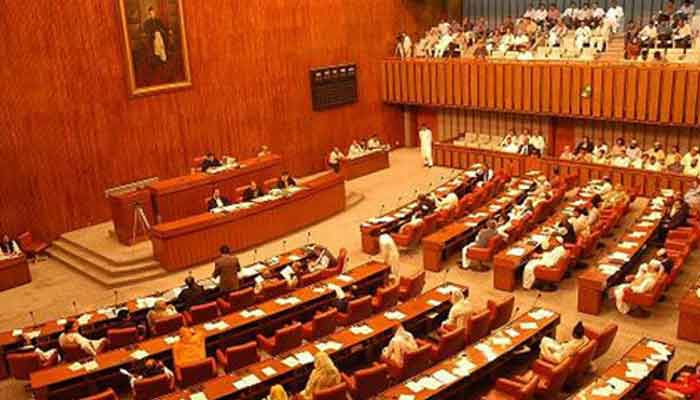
(426, 145)
(664, 260)
(641, 282)
(634, 151)
(690, 156)
(548, 259)
(658, 152)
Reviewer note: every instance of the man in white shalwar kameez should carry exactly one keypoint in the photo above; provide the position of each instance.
(426, 145)
(556, 352)
(389, 253)
(643, 281)
(548, 259)
(460, 312)
(402, 342)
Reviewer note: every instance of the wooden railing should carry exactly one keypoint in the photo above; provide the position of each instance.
(648, 93)
(644, 183)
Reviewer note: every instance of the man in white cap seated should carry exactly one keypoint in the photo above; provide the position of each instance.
(692, 169)
(447, 202)
(641, 282)
(548, 259)
(658, 152)
(693, 154)
(664, 260)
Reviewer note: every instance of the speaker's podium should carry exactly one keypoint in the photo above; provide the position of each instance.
(129, 208)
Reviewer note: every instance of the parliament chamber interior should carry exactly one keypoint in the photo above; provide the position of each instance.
(468, 199)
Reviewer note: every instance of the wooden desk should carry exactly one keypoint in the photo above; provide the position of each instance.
(185, 195)
(240, 329)
(14, 271)
(593, 283)
(453, 237)
(689, 315)
(392, 221)
(644, 183)
(193, 240)
(123, 206)
(639, 352)
(364, 165)
(416, 311)
(482, 367)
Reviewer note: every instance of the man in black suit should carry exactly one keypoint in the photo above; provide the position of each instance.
(677, 217)
(217, 201)
(252, 191)
(210, 162)
(426, 205)
(285, 181)
(192, 295)
(567, 231)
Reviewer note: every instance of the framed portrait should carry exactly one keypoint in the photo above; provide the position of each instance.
(155, 43)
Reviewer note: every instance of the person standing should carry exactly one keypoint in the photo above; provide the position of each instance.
(426, 145)
(226, 268)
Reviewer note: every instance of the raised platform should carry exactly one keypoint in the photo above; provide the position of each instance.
(95, 252)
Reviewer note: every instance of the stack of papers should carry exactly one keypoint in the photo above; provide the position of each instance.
(395, 315)
(146, 302)
(516, 251)
(471, 224)
(628, 245)
(345, 278)
(444, 377)
(501, 341)
(464, 367)
(645, 224)
(512, 332)
(415, 387)
(107, 312)
(171, 339)
(290, 361)
(84, 319)
(269, 371)
(198, 396)
(637, 370)
(254, 313)
(430, 383)
(660, 349)
(619, 256)
(139, 354)
(487, 351)
(304, 357)
(406, 397)
(637, 234)
(608, 269)
(540, 314)
(287, 301)
(216, 326)
(246, 381)
(528, 326)
(76, 366)
(330, 345)
(361, 330)
(90, 365)
(434, 303)
(447, 289)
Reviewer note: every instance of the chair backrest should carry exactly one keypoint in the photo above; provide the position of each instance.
(501, 311)
(479, 325)
(25, 240)
(122, 337)
(204, 312)
(152, 387)
(451, 343)
(243, 355)
(23, 364)
(106, 395)
(528, 390)
(325, 323)
(241, 299)
(275, 288)
(240, 190)
(311, 277)
(604, 337)
(73, 352)
(359, 309)
(163, 326)
(196, 372)
(288, 337)
(197, 161)
(416, 361)
(389, 295)
(583, 358)
(269, 184)
(557, 375)
(371, 381)
(337, 392)
(412, 286)
(342, 257)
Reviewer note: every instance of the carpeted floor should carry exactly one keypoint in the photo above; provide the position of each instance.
(55, 287)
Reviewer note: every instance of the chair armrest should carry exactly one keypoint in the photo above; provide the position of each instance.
(221, 358)
(542, 367)
(509, 386)
(223, 305)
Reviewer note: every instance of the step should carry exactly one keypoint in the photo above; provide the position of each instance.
(110, 259)
(102, 278)
(110, 268)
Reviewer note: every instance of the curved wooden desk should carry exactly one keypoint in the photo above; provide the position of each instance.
(689, 315)
(193, 240)
(14, 272)
(364, 165)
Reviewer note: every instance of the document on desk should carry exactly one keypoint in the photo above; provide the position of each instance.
(198, 396)
(430, 383)
(540, 314)
(415, 387)
(304, 357)
(139, 354)
(447, 289)
(487, 351)
(269, 371)
(171, 339)
(444, 377)
(516, 251)
(290, 361)
(394, 315)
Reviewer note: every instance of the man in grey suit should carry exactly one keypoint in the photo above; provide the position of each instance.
(226, 268)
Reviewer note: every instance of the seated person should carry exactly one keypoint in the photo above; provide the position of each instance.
(481, 241)
(217, 200)
(685, 385)
(190, 348)
(323, 376)
(356, 150)
(585, 145)
(324, 259)
(192, 294)
(640, 163)
(653, 164)
(692, 196)
(677, 217)
(615, 197)
(264, 151)
(648, 34)
(285, 181)
(426, 205)
(547, 259)
(460, 311)
(150, 369)
(673, 156)
(682, 35)
(210, 162)
(641, 282)
(373, 143)
(594, 210)
(528, 149)
(389, 252)
(657, 151)
(447, 202)
(265, 279)
(621, 161)
(580, 222)
(252, 192)
(160, 311)
(567, 231)
(334, 159)
(583, 156)
(556, 352)
(511, 146)
(690, 156)
(634, 151)
(582, 36)
(9, 247)
(124, 319)
(665, 261)
(567, 154)
(693, 168)
(600, 156)
(342, 298)
(402, 342)
(71, 335)
(619, 147)
(294, 272)
(277, 392)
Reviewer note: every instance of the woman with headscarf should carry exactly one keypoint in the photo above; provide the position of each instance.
(324, 375)
(190, 348)
(389, 253)
(460, 312)
(402, 342)
(277, 392)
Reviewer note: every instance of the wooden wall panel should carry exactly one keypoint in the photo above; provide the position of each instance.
(642, 94)
(404, 82)
(500, 75)
(679, 96)
(619, 92)
(546, 89)
(576, 86)
(631, 94)
(597, 99)
(449, 84)
(508, 95)
(411, 83)
(440, 82)
(666, 95)
(482, 103)
(608, 94)
(517, 83)
(653, 94)
(565, 95)
(691, 98)
(70, 130)
(586, 80)
(490, 86)
(527, 87)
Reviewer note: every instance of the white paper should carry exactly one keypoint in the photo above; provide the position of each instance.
(171, 339)
(528, 326)
(394, 315)
(434, 303)
(516, 251)
(269, 371)
(139, 354)
(415, 387)
(84, 319)
(444, 377)
(430, 383)
(486, 350)
(501, 341)
(90, 365)
(406, 397)
(290, 361)
(447, 289)
(617, 386)
(76, 366)
(61, 322)
(304, 357)
(512, 332)
(17, 332)
(345, 278)
(198, 396)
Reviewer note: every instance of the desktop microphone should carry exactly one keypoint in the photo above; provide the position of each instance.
(539, 294)
(31, 314)
(255, 255)
(513, 315)
(308, 238)
(284, 245)
(381, 210)
(398, 203)
(444, 276)
(75, 307)
(116, 302)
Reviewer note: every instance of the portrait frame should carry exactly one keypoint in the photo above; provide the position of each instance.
(129, 17)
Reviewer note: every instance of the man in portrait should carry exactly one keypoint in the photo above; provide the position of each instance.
(156, 37)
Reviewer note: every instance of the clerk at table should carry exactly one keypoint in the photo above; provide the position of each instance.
(252, 192)
(285, 181)
(210, 162)
(9, 247)
(217, 200)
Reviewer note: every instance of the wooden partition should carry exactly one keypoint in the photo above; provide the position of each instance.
(649, 93)
(644, 183)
